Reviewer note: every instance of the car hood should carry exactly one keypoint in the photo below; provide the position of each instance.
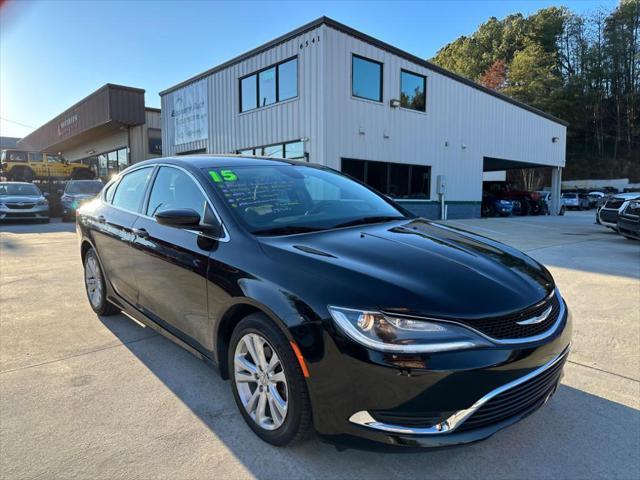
(20, 198)
(415, 268)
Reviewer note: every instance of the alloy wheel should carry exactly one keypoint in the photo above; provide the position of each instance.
(260, 381)
(93, 281)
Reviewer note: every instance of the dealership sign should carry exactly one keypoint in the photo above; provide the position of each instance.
(190, 113)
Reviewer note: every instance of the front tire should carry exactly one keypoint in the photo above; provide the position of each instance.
(267, 382)
(95, 286)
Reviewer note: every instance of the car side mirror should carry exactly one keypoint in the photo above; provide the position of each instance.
(178, 217)
(45, 194)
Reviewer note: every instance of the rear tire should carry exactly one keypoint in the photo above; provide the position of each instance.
(95, 286)
(257, 387)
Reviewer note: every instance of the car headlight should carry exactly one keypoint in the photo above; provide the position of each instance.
(43, 202)
(505, 203)
(389, 333)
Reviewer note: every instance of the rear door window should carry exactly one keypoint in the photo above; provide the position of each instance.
(130, 190)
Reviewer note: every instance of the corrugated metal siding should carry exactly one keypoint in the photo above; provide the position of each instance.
(139, 137)
(456, 114)
(332, 120)
(293, 119)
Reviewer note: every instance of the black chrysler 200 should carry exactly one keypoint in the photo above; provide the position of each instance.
(325, 304)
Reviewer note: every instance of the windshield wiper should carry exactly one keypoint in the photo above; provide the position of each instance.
(288, 230)
(366, 220)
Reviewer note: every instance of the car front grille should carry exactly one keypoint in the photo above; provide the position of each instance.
(614, 203)
(408, 419)
(517, 401)
(20, 215)
(610, 216)
(506, 327)
(20, 206)
(633, 208)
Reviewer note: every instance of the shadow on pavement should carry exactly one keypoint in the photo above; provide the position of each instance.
(576, 435)
(55, 226)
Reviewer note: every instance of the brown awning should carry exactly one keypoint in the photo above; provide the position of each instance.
(110, 105)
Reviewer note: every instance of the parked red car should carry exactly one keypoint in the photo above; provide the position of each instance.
(530, 202)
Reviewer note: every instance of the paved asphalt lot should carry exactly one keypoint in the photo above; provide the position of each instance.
(84, 397)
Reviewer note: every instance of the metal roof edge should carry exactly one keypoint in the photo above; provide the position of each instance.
(375, 42)
(103, 87)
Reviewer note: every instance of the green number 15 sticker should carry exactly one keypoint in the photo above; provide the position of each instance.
(223, 176)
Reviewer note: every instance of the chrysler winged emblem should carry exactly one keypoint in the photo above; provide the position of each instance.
(540, 318)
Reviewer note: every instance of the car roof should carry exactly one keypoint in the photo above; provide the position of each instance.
(86, 180)
(218, 161)
(627, 195)
(16, 183)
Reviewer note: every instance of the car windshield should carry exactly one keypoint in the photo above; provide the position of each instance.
(287, 199)
(89, 188)
(19, 189)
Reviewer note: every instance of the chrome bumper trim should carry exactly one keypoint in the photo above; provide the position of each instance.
(365, 419)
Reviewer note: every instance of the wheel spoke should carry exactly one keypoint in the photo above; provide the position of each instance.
(259, 346)
(243, 377)
(278, 378)
(244, 363)
(279, 403)
(253, 401)
(273, 363)
(275, 412)
(248, 341)
(261, 410)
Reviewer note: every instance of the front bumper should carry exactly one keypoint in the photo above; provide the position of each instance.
(445, 399)
(629, 227)
(608, 217)
(39, 212)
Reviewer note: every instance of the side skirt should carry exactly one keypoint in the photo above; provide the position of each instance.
(137, 316)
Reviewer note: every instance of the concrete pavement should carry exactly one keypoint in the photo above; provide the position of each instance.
(84, 397)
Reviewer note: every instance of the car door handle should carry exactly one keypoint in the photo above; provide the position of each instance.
(141, 232)
(101, 219)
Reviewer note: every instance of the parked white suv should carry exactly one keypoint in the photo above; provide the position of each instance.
(608, 214)
(577, 201)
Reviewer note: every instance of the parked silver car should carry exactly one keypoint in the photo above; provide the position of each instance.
(575, 201)
(22, 201)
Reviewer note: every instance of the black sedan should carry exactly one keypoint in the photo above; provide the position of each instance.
(328, 306)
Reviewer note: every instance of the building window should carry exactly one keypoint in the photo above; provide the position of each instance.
(413, 89)
(366, 78)
(290, 150)
(123, 159)
(248, 93)
(274, 151)
(155, 141)
(288, 80)
(267, 87)
(274, 84)
(398, 180)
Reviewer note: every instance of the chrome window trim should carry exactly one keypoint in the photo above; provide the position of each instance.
(365, 419)
(225, 238)
(504, 341)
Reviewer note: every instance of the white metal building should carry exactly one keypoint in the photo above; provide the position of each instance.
(336, 96)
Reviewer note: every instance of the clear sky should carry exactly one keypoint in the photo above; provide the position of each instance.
(54, 53)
